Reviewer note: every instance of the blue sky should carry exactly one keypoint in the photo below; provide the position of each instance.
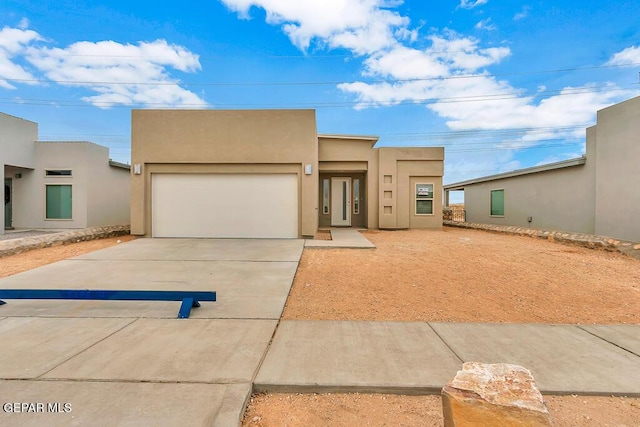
(502, 85)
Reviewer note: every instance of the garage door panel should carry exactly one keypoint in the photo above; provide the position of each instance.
(225, 205)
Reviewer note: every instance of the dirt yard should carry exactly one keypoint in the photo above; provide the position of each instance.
(449, 275)
(454, 275)
(458, 275)
(15, 264)
(354, 410)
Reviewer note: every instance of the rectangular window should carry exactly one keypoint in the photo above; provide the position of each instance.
(325, 196)
(57, 172)
(58, 201)
(356, 196)
(424, 199)
(497, 203)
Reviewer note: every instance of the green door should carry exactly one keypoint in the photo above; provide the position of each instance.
(7, 203)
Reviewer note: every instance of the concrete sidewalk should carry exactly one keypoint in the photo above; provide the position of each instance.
(419, 358)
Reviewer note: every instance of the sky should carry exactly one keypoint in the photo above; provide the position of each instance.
(501, 85)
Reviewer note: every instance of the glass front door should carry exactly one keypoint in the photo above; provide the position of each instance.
(340, 201)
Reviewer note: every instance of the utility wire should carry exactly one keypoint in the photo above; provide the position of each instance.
(334, 104)
(310, 83)
(470, 133)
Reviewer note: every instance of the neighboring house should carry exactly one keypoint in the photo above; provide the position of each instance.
(268, 174)
(598, 193)
(59, 185)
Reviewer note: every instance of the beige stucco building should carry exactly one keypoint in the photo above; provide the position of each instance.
(59, 185)
(268, 174)
(596, 194)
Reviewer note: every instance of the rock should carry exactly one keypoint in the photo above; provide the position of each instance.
(498, 395)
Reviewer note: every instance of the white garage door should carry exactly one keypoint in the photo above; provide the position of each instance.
(225, 205)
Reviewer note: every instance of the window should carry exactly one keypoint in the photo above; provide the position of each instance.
(356, 196)
(424, 199)
(58, 202)
(497, 202)
(57, 172)
(325, 196)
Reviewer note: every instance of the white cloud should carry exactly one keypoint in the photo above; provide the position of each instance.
(477, 100)
(123, 74)
(522, 14)
(13, 43)
(485, 24)
(628, 56)
(470, 4)
(362, 26)
(463, 53)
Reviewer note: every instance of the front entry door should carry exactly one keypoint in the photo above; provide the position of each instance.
(7, 203)
(340, 201)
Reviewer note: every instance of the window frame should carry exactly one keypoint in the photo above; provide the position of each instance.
(491, 214)
(356, 195)
(46, 186)
(326, 196)
(417, 198)
(70, 175)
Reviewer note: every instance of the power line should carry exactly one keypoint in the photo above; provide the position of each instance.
(311, 83)
(469, 133)
(320, 105)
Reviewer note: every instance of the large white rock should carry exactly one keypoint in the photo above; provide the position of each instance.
(496, 395)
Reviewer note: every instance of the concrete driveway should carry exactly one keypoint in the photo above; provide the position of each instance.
(133, 363)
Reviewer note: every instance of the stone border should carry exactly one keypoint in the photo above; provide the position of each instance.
(590, 241)
(16, 246)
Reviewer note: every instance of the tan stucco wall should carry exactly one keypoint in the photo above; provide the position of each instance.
(399, 169)
(220, 141)
(617, 206)
(401, 165)
(349, 155)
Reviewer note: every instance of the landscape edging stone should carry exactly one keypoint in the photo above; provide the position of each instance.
(16, 246)
(590, 241)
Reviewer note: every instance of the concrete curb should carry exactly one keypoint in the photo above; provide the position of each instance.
(590, 241)
(16, 246)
